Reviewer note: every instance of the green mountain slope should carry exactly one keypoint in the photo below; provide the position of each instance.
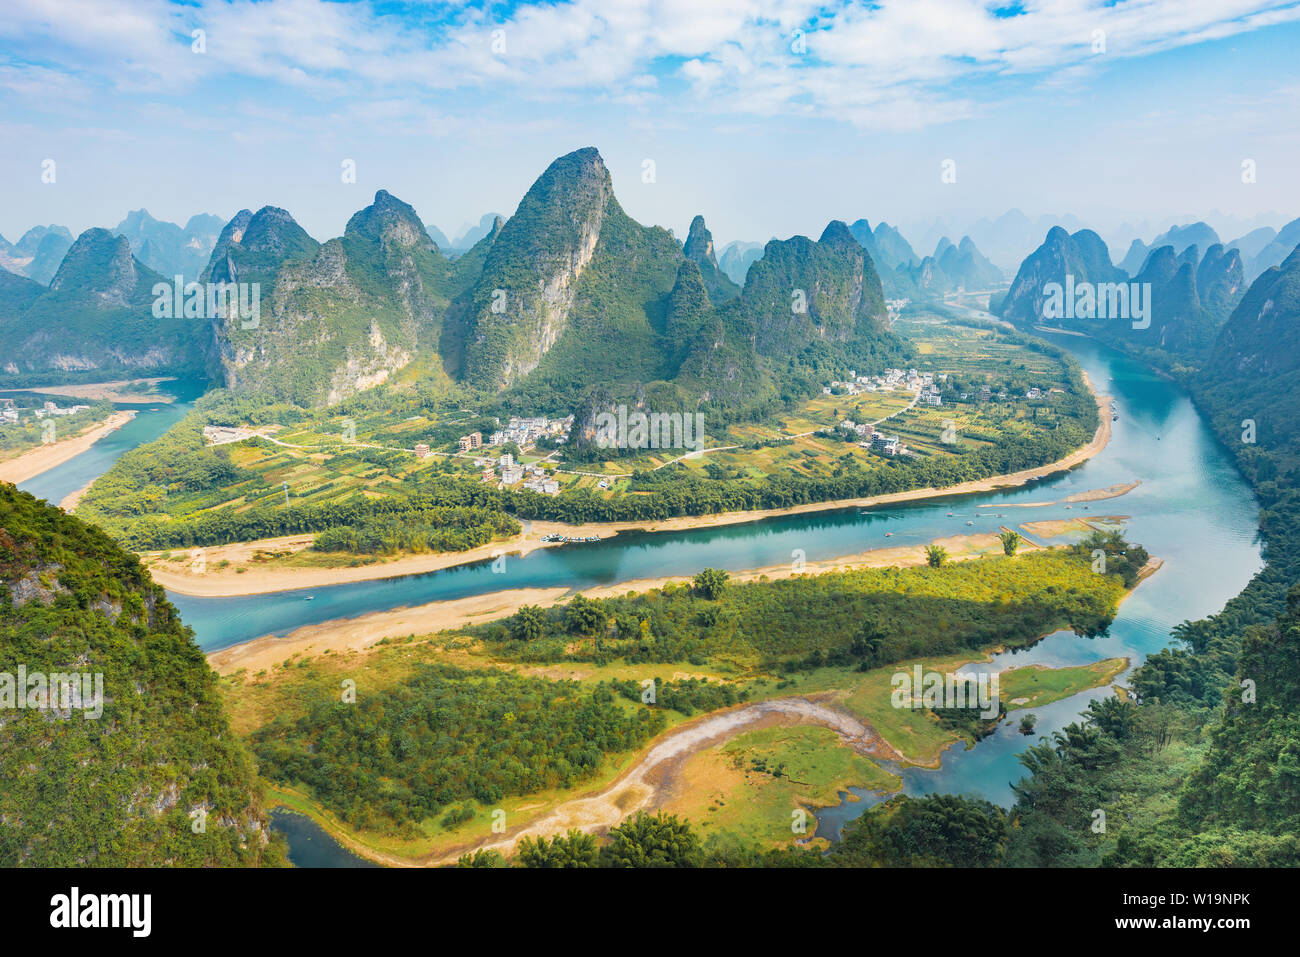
(336, 318)
(97, 318)
(699, 249)
(128, 787)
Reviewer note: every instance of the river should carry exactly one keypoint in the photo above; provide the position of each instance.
(151, 421)
(1192, 510)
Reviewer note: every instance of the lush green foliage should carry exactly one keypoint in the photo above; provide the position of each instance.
(447, 736)
(120, 789)
(870, 615)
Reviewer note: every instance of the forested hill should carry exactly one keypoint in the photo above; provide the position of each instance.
(96, 317)
(1186, 297)
(568, 295)
(155, 778)
(1216, 725)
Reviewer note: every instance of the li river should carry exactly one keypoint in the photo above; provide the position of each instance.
(1192, 510)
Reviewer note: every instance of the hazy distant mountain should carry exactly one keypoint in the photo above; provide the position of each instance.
(699, 249)
(470, 235)
(1180, 237)
(37, 253)
(965, 265)
(31, 240)
(168, 248)
(1278, 249)
(861, 231)
(737, 257)
(1253, 243)
(1006, 239)
(1010, 237)
(438, 236)
(1136, 256)
(949, 268)
(894, 250)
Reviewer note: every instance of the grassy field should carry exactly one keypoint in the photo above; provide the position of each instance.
(366, 447)
(747, 785)
(754, 784)
(1036, 686)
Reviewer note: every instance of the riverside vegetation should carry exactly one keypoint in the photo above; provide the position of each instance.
(421, 759)
(1196, 765)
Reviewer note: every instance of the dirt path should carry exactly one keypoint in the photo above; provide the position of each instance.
(647, 784)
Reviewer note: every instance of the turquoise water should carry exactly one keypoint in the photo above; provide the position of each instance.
(1192, 510)
(150, 422)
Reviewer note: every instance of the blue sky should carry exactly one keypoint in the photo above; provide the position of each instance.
(770, 118)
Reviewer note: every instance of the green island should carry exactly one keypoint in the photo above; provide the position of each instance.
(528, 714)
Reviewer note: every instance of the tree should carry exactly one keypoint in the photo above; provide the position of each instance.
(1027, 723)
(584, 616)
(575, 849)
(1010, 541)
(481, 858)
(711, 583)
(528, 623)
(941, 830)
(652, 841)
(866, 643)
(935, 555)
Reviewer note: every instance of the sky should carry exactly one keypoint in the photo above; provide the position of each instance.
(769, 117)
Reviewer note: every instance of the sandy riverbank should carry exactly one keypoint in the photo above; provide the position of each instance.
(116, 391)
(259, 579)
(1093, 495)
(43, 458)
(345, 635)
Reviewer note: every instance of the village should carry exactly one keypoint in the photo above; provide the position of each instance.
(523, 434)
(10, 413)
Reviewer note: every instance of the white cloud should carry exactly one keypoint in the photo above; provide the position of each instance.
(898, 63)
